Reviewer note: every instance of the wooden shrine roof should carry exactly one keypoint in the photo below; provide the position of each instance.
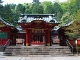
(37, 15)
(4, 23)
(6, 26)
(49, 18)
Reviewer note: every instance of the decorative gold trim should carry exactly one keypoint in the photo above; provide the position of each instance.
(48, 44)
(27, 44)
(37, 21)
(50, 24)
(25, 24)
(12, 28)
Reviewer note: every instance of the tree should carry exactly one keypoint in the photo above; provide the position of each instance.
(37, 9)
(48, 9)
(66, 19)
(12, 6)
(58, 10)
(1, 10)
(28, 9)
(1, 1)
(77, 4)
(74, 6)
(7, 13)
(64, 6)
(36, 2)
(74, 28)
(20, 8)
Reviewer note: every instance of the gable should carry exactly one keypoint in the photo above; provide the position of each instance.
(2, 24)
(38, 24)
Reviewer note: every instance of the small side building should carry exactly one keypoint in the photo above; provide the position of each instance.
(6, 31)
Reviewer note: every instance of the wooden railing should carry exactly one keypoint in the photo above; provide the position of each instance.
(6, 44)
(70, 46)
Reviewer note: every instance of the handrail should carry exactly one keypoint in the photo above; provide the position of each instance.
(70, 46)
(6, 44)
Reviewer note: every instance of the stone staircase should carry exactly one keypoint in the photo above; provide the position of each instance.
(37, 51)
(2, 48)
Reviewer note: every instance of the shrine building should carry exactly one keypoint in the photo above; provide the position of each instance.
(32, 29)
(6, 32)
(37, 28)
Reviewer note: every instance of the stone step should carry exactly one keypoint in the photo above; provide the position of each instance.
(36, 47)
(2, 48)
(37, 50)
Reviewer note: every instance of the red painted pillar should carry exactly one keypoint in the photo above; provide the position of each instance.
(45, 34)
(48, 37)
(27, 37)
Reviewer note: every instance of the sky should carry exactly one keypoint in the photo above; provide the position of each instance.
(26, 1)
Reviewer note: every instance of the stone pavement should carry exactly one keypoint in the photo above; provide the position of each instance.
(39, 58)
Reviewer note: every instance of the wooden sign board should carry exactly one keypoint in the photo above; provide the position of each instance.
(19, 41)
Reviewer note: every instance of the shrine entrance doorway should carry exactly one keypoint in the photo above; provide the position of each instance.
(38, 37)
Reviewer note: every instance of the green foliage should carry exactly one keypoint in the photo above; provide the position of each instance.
(74, 6)
(64, 6)
(36, 1)
(58, 10)
(47, 7)
(20, 8)
(28, 9)
(74, 27)
(65, 18)
(77, 4)
(1, 10)
(7, 13)
(72, 13)
(49, 10)
(12, 6)
(37, 9)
